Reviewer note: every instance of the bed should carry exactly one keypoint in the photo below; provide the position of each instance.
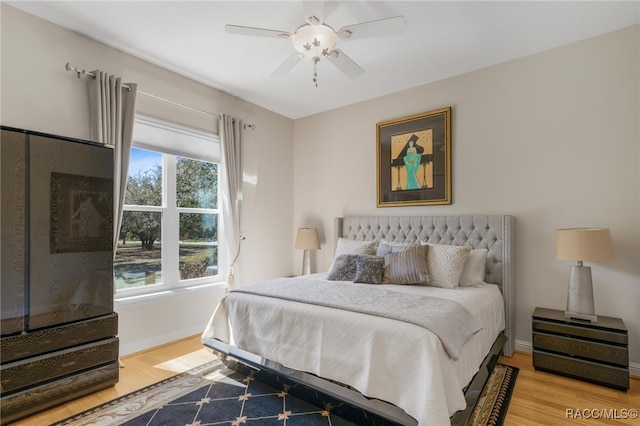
(401, 370)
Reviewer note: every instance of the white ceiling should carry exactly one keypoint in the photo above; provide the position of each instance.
(441, 39)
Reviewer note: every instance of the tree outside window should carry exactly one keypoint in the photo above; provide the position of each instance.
(169, 229)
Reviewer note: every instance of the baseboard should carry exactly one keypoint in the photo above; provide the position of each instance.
(523, 346)
(143, 345)
(527, 347)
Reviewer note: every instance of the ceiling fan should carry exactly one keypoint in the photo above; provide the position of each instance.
(316, 40)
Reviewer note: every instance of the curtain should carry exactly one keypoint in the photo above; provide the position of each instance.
(112, 110)
(230, 145)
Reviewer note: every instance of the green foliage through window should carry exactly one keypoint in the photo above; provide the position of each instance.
(192, 209)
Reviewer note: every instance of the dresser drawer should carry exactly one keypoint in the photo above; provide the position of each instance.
(40, 342)
(582, 348)
(580, 331)
(615, 377)
(44, 396)
(32, 371)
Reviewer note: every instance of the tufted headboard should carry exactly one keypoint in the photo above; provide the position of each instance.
(493, 232)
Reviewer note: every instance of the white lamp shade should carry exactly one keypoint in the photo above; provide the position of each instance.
(307, 239)
(314, 41)
(583, 244)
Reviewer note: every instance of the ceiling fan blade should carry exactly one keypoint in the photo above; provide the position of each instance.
(345, 64)
(313, 12)
(253, 31)
(287, 65)
(380, 27)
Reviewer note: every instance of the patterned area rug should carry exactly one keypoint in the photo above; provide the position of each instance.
(493, 403)
(212, 394)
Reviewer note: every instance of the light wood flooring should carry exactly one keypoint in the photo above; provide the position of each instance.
(539, 398)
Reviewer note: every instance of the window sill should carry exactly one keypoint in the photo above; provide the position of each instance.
(151, 297)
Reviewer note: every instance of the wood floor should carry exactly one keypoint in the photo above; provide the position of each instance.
(539, 398)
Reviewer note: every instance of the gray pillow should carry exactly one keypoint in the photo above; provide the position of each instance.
(345, 246)
(407, 267)
(344, 267)
(369, 270)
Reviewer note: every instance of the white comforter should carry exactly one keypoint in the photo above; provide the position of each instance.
(394, 361)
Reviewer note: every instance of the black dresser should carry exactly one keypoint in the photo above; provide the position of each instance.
(594, 352)
(58, 329)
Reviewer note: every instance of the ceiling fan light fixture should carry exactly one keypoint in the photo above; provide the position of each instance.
(314, 42)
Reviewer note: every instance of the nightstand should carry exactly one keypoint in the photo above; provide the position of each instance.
(594, 352)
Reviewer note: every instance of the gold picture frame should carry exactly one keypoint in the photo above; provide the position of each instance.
(413, 160)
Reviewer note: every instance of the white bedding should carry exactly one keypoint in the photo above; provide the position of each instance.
(394, 361)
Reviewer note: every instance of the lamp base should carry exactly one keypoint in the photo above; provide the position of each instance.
(580, 304)
(306, 262)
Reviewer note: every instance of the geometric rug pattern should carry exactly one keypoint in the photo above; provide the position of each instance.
(238, 399)
(212, 394)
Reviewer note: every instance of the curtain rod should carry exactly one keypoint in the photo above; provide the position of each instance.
(80, 73)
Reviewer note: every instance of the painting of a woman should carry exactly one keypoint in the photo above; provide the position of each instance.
(412, 164)
(413, 160)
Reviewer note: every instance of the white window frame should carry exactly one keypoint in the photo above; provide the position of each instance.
(176, 141)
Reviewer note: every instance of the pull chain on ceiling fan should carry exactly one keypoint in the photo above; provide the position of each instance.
(315, 40)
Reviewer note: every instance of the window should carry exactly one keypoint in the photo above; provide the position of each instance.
(170, 230)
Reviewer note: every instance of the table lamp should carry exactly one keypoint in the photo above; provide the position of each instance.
(582, 244)
(307, 239)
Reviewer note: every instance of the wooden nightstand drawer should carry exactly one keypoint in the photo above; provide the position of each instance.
(580, 331)
(590, 371)
(597, 352)
(582, 348)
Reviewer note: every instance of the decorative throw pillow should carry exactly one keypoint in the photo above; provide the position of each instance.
(343, 268)
(407, 267)
(445, 264)
(386, 247)
(345, 246)
(474, 268)
(369, 270)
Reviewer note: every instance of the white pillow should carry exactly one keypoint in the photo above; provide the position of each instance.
(474, 267)
(345, 246)
(445, 264)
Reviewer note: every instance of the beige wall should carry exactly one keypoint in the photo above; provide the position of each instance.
(37, 93)
(552, 139)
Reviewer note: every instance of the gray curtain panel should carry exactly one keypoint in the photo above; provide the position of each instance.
(231, 149)
(112, 109)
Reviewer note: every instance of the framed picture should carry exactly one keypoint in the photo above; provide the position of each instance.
(81, 214)
(414, 160)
